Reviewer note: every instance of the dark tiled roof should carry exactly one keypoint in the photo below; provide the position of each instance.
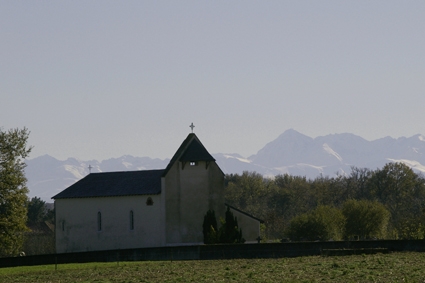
(190, 150)
(195, 151)
(115, 184)
(41, 228)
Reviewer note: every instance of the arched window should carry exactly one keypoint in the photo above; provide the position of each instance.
(131, 220)
(99, 221)
(149, 201)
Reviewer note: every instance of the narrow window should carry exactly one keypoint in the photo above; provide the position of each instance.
(131, 220)
(149, 201)
(63, 225)
(99, 221)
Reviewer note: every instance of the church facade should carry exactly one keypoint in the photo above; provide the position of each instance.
(150, 208)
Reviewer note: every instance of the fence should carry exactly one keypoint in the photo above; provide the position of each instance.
(208, 252)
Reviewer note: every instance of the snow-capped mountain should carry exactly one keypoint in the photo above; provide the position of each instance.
(292, 153)
(297, 154)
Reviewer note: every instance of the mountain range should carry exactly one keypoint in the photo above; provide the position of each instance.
(292, 153)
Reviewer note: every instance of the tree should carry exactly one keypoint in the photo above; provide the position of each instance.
(13, 190)
(357, 183)
(209, 227)
(36, 210)
(323, 223)
(292, 196)
(401, 191)
(247, 191)
(365, 219)
(229, 232)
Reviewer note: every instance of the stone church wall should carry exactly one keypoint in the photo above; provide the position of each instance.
(89, 224)
(191, 190)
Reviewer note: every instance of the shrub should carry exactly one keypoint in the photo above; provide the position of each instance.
(365, 219)
(209, 227)
(229, 232)
(323, 223)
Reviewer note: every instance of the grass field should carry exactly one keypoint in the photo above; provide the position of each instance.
(394, 267)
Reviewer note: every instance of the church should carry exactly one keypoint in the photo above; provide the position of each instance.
(149, 208)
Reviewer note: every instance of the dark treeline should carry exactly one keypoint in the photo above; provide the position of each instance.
(282, 199)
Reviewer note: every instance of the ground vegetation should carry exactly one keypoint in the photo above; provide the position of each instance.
(393, 195)
(393, 267)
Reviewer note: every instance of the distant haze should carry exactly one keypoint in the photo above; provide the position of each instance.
(291, 153)
(101, 79)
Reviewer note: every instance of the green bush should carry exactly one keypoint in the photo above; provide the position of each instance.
(323, 223)
(365, 219)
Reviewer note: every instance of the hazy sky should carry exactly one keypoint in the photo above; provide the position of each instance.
(101, 79)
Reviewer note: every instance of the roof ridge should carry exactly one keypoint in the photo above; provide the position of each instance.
(178, 153)
(243, 212)
(127, 171)
(197, 152)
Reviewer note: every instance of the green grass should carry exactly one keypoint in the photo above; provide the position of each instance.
(394, 267)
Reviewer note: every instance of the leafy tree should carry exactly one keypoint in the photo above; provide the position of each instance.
(413, 228)
(247, 192)
(50, 215)
(279, 200)
(13, 190)
(365, 219)
(358, 183)
(36, 210)
(401, 191)
(292, 196)
(326, 191)
(323, 223)
(275, 200)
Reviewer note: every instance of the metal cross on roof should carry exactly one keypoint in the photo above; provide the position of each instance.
(90, 167)
(192, 126)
